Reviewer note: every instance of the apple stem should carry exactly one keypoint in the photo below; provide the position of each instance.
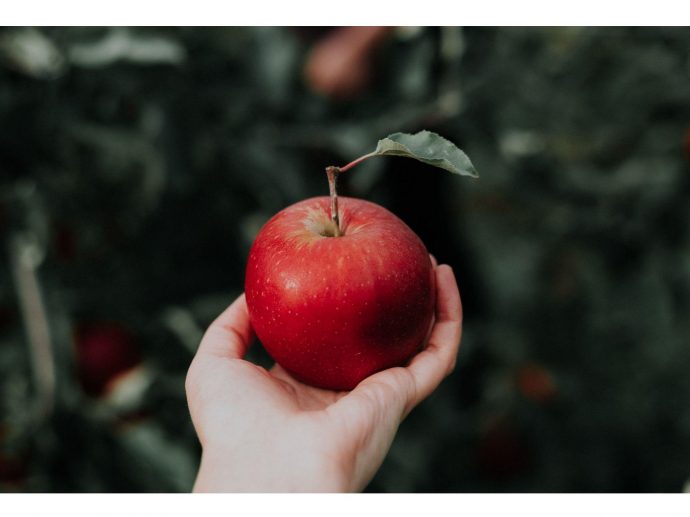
(332, 173)
(356, 162)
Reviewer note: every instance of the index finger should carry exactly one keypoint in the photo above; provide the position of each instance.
(230, 334)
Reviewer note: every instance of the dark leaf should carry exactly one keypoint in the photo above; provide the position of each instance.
(427, 147)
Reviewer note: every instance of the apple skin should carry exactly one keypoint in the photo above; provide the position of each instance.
(334, 310)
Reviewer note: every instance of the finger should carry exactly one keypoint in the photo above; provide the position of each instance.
(282, 374)
(382, 397)
(434, 265)
(432, 365)
(230, 334)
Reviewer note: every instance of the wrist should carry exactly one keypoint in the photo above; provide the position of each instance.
(252, 469)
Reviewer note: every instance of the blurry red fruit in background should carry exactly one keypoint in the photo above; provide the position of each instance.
(104, 351)
(341, 64)
(502, 452)
(65, 242)
(12, 471)
(536, 383)
(13, 467)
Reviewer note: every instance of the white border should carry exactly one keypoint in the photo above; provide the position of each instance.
(351, 12)
(513, 505)
(348, 12)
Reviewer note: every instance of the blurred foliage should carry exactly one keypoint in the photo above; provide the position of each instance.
(136, 166)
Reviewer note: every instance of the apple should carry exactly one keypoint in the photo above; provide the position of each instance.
(334, 309)
(339, 292)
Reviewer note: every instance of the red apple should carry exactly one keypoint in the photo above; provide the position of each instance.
(333, 310)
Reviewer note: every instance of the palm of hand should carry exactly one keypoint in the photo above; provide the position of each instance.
(282, 409)
(296, 436)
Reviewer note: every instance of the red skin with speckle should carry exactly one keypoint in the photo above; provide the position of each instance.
(334, 310)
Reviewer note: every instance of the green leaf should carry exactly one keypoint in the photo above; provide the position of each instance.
(427, 147)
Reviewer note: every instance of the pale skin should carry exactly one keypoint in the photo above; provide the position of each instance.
(263, 431)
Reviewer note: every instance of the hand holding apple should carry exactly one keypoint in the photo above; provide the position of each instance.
(342, 297)
(264, 431)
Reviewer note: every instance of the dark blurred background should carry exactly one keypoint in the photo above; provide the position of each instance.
(137, 165)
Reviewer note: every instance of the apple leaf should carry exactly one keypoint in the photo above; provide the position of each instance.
(427, 147)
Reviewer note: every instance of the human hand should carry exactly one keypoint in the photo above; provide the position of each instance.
(263, 431)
